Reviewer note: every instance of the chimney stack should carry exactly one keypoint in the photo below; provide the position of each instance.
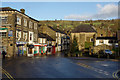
(22, 11)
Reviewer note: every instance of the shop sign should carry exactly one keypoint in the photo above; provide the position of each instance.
(21, 42)
(10, 33)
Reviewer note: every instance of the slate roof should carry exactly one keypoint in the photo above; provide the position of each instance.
(11, 9)
(83, 28)
(57, 30)
(42, 35)
(107, 38)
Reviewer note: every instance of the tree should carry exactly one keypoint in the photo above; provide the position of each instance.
(74, 46)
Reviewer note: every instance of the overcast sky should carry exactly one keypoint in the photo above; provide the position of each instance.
(67, 10)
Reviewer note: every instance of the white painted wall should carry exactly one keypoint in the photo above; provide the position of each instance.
(104, 42)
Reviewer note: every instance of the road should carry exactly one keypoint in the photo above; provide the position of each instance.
(60, 67)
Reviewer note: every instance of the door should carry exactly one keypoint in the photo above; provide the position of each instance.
(30, 50)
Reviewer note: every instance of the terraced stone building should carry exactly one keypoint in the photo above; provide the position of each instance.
(18, 32)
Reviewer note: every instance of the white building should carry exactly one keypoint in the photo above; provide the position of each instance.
(110, 41)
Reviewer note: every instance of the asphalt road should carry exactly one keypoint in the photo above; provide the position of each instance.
(60, 67)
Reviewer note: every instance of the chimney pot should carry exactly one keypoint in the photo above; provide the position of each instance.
(22, 11)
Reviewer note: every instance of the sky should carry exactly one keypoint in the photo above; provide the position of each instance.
(67, 10)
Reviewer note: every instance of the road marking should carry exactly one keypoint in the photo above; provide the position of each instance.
(92, 68)
(7, 74)
(105, 65)
(115, 74)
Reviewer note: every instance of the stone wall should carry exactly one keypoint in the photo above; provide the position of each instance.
(82, 38)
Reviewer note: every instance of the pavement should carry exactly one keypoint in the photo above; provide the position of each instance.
(59, 66)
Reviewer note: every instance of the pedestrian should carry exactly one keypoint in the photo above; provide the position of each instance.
(3, 53)
(41, 52)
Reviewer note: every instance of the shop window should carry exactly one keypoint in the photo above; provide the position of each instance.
(49, 49)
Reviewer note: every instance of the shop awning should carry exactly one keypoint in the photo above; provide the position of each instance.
(3, 28)
(40, 44)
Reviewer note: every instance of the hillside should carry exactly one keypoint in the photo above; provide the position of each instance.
(105, 27)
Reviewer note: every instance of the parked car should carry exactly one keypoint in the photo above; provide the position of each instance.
(107, 51)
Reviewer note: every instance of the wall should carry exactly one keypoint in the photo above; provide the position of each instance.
(82, 38)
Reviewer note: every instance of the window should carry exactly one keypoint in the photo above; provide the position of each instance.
(43, 40)
(56, 40)
(91, 40)
(25, 36)
(3, 19)
(35, 37)
(56, 34)
(2, 34)
(18, 20)
(59, 34)
(110, 41)
(10, 44)
(30, 24)
(30, 36)
(40, 40)
(101, 35)
(101, 41)
(35, 25)
(18, 34)
(25, 22)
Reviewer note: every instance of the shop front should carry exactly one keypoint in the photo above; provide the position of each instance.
(30, 50)
(21, 48)
(40, 49)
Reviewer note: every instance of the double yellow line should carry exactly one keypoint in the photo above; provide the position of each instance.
(115, 74)
(7, 74)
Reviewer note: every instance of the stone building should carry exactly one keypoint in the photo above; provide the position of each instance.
(47, 44)
(18, 32)
(56, 34)
(84, 34)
